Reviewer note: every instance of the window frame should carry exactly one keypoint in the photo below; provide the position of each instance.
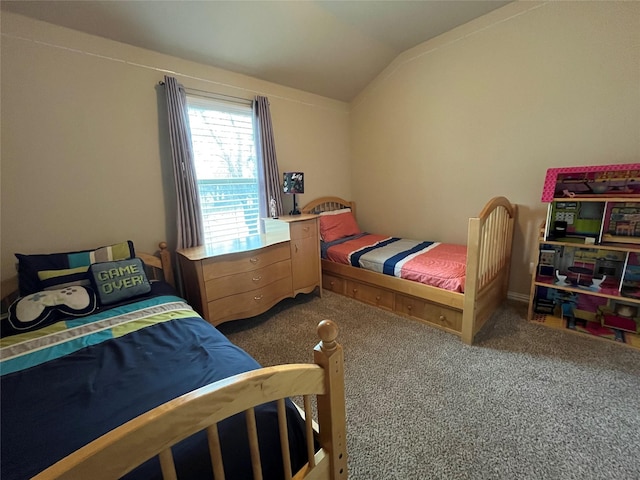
(215, 187)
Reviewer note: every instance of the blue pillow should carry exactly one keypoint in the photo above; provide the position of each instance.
(117, 281)
(40, 309)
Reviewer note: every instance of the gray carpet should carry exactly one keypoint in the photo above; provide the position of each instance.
(525, 401)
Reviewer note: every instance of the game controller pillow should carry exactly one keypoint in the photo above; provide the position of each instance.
(57, 270)
(40, 309)
(117, 281)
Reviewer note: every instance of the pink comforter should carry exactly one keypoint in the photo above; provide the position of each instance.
(437, 264)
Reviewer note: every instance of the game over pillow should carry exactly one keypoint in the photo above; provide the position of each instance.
(117, 281)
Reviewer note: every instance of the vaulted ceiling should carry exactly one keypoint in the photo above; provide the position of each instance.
(331, 48)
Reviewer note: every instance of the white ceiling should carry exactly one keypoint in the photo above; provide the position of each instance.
(331, 48)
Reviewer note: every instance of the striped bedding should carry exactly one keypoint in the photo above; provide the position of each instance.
(66, 384)
(441, 265)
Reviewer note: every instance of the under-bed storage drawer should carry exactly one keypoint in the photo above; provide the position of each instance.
(430, 312)
(335, 284)
(369, 294)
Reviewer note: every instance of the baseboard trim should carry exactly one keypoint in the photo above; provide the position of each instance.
(518, 297)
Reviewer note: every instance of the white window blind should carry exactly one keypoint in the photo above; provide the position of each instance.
(226, 168)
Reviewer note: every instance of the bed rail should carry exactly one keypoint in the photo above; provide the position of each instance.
(153, 433)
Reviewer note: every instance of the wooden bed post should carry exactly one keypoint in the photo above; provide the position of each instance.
(167, 264)
(331, 406)
(471, 281)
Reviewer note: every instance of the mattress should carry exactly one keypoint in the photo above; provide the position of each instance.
(66, 384)
(441, 265)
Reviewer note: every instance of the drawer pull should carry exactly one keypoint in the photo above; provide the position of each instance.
(355, 290)
(257, 298)
(332, 283)
(254, 259)
(377, 298)
(409, 307)
(442, 318)
(296, 247)
(257, 279)
(306, 229)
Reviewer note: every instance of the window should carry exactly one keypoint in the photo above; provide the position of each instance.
(226, 168)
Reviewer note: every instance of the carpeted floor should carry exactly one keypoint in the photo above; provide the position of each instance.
(524, 402)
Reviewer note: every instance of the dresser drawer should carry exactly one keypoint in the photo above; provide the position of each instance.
(369, 294)
(231, 264)
(249, 304)
(247, 281)
(430, 312)
(304, 229)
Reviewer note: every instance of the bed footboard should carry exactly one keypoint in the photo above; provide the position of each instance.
(490, 237)
(153, 433)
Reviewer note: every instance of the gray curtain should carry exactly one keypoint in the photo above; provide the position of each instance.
(271, 187)
(189, 218)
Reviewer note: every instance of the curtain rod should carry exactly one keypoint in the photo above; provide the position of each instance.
(220, 96)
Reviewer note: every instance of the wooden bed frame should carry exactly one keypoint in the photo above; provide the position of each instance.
(489, 242)
(154, 432)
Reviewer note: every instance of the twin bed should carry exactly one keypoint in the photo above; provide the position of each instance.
(452, 287)
(142, 387)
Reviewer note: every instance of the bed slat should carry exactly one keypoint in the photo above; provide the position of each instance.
(252, 431)
(284, 439)
(215, 451)
(308, 420)
(167, 465)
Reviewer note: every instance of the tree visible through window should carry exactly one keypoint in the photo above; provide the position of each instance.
(226, 168)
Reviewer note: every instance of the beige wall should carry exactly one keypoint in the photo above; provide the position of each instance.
(85, 154)
(485, 109)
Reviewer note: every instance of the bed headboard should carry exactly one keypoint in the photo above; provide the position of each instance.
(327, 204)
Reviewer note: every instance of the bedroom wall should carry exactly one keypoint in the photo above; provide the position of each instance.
(485, 109)
(85, 155)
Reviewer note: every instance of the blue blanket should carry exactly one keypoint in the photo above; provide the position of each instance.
(62, 389)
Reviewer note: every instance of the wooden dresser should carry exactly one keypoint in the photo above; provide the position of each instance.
(244, 278)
